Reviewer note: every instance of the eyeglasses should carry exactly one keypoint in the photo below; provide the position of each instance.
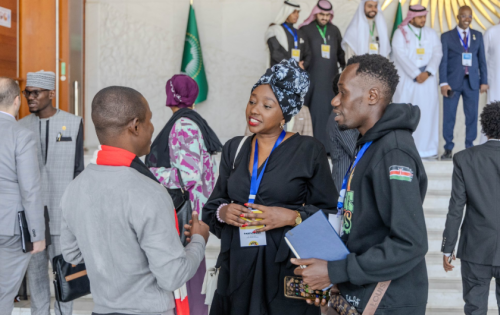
(465, 16)
(35, 93)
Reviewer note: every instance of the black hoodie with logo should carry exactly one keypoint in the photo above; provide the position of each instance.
(384, 226)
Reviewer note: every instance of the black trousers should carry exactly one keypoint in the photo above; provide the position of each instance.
(476, 281)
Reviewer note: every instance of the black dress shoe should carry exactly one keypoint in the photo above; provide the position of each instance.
(447, 155)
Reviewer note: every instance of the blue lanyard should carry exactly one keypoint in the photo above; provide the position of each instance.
(340, 204)
(294, 34)
(255, 183)
(465, 43)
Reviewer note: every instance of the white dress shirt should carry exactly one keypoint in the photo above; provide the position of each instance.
(7, 114)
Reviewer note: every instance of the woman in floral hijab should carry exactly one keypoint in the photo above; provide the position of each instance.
(296, 183)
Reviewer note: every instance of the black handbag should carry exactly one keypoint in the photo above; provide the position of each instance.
(70, 281)
(182, 205)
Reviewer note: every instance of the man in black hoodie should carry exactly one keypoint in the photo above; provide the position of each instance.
(383, 225)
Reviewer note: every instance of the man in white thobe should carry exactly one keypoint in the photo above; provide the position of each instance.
(367, 33)
(417, 53)
(492, 50)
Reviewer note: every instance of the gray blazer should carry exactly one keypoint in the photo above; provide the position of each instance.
(19, 180)
(57, 170)
(122, 224)
(476, 185)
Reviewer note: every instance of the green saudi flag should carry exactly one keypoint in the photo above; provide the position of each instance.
(398, 20)
(192, 58)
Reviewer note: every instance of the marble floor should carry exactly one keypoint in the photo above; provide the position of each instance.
(82, 306)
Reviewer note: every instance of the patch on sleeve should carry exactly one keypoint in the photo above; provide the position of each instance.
(403, 173)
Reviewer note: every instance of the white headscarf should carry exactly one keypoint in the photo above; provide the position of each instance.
(286, 9)
(357, 33)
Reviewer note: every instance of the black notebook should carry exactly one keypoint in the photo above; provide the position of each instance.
(25, 232)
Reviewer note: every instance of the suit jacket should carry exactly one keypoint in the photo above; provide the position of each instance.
(57, 167)
(19, 180)
(451, 70)
(302, 123)
(476, 185)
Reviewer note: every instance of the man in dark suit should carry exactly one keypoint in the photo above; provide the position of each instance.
(476, 182)
(462, 72)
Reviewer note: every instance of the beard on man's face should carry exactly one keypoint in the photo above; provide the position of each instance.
(343, 127)
(371, 14)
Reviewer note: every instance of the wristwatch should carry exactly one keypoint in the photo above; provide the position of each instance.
(298, 219)
(430, 74)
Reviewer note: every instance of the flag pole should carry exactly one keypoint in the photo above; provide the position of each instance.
(191, 2)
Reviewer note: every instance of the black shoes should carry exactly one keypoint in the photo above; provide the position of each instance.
(447, 155)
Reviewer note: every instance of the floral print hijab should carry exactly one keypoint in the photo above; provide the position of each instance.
(289, 84)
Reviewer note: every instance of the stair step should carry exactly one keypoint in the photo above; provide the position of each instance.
(449, 299)
(437, 199)
(441, 182)
(81, 306)
(438, 167)
(435, 222)
(455, 311)
(449, 285)
(436, 211)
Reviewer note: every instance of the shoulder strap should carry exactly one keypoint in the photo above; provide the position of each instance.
(239, 148)
(376, 297)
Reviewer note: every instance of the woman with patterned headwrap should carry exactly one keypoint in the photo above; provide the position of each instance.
(295, 183)
(184, 149)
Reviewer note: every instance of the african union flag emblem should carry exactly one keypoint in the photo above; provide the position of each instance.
(400, 173)
(192, 58)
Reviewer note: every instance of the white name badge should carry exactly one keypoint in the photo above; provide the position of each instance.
(296, 54)
(467, 59)
(373, 49)
(325, 51)
(248, 238)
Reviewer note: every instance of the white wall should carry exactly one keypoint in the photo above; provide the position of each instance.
(139, 43)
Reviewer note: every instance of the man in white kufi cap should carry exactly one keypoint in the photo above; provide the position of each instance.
(60, 157)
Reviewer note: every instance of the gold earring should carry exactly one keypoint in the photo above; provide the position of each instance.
(281, 126)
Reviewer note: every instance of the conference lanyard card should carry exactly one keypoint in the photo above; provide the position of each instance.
(325, 51)
(296, 54)
(249, 238)
(373, 49)
(467, 59)
(420, 53)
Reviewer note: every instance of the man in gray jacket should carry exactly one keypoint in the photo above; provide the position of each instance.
(121, 221)
(19, 191)
(476, 183)
(59, 137)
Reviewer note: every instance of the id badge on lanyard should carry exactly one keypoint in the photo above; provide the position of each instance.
(296, 55)
(466, 56)
(325, 51)
(325, 48)
(373, 46)
(247, 235)
(373, 49)
(295, 50)
(467, 59)
(342, 194)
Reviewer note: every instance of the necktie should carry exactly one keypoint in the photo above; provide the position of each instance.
(466, 43)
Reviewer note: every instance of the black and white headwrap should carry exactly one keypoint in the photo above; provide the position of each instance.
(289, 84)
